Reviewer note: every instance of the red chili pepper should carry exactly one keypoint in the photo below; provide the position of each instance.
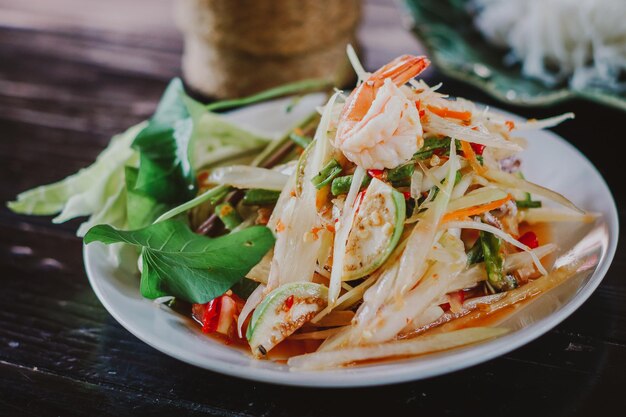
(376, 173)
(459, 295)
(406, 195)
(211, 316)
(529, 239)
(202, 177)
(289, 302)
(359, 199)
(510, 124)
(478, 148)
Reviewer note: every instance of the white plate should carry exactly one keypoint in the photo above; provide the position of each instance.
(549, 160)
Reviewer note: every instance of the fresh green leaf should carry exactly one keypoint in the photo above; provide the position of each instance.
(192, 267)
(141, 209)
(244, 288)
(165, 172)
(215, 139)
(93, 191)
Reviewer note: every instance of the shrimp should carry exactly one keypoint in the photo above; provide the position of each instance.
(379, 127)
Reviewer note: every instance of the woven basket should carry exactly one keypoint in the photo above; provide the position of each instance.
(237, 47)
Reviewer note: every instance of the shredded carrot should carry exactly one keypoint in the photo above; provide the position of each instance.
(298, 131)
(280, 226)
(466, 116)
(470, 155)
(510, 124)
(472, 211)
(315, 231)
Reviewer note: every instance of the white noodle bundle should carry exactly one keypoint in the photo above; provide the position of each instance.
(583, 40)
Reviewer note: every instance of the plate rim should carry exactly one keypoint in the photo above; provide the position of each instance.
(464, 357)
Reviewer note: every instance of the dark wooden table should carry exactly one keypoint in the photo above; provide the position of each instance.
(72, 73)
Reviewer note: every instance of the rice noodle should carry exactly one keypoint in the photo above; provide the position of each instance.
(578, 41)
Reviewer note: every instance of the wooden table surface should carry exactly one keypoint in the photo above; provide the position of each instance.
(72, 73)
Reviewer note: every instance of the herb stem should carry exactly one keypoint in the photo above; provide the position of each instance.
(214, 194)
(283, 90)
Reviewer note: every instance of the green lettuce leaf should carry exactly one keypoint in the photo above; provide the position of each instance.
(141, 209)
(165, 172)
(215, 140)
(96, 191)
(188, 266)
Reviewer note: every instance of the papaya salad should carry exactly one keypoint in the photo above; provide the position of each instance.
(389, 223)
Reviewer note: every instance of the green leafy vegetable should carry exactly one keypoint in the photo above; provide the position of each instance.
(191, 267)
(165, 172)
(244, 288)
(96, 191)
(141, 209)
(216, 141)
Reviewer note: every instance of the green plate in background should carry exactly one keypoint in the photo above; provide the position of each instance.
(459, 51)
